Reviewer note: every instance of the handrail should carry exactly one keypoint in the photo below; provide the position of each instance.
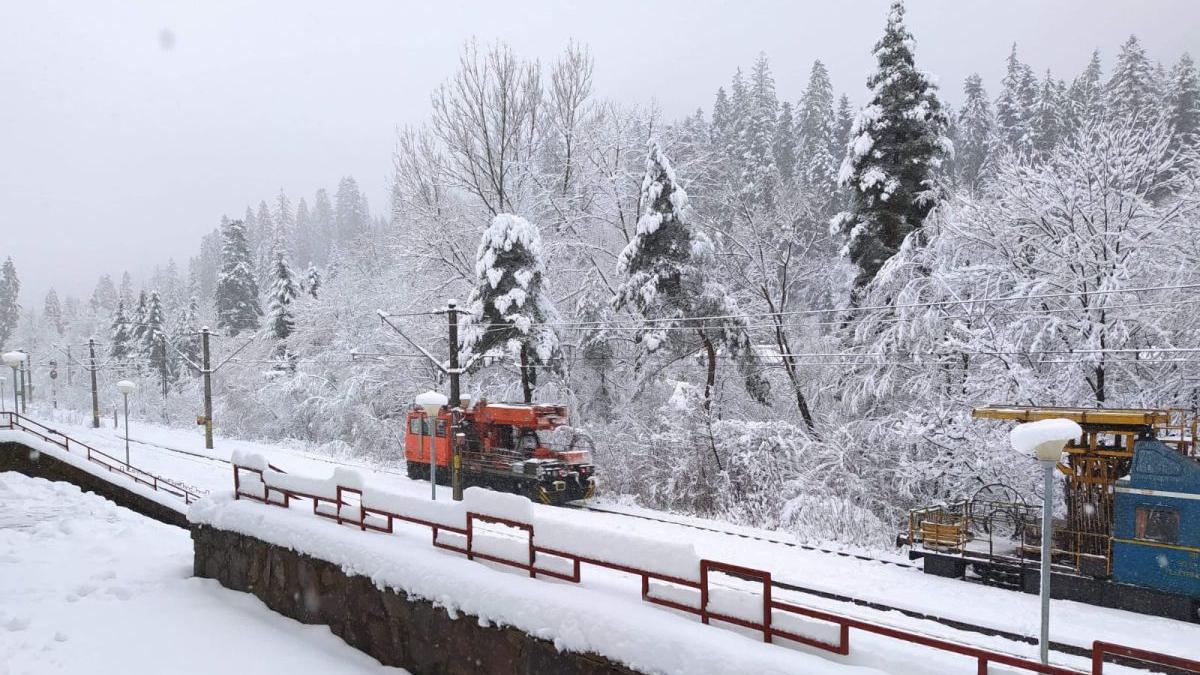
(1100, 649)
(369, 519)
(112, 464)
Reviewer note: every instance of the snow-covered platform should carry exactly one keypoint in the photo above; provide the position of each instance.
(87, 586)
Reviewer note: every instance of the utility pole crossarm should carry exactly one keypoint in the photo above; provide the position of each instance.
(383, 316)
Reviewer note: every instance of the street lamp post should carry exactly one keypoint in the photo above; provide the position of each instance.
(2, 381)
(14, 360)
(126, 388)
(432, 402)
(1045, 439)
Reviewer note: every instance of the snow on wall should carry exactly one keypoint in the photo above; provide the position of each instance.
(449, 514)
(498, 504)
(576, 618)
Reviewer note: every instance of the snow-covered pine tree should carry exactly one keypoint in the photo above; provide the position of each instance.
(283, 293)
(669, 282)
(104, 297)
(187, 338)
(757, 140)
(1048, 122)
(1183, 111)
(350, 216)
(121, 337)
(237, 288)
(260, 238)
(127, 288)
(322, 226)
(303, 239)
(820, 150)
(10, 308)
(1085, 98)
(720, 116)
(785, 142)
(154, 342)
(137, 331)
(1014, 107)
(732, 142)
(510, 306)
(899, 141)
(312, 282)
(976, 135)
(1131, 91)
(52, 312)
(285, 220)
(845, 122)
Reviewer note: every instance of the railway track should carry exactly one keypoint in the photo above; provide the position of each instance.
(1059, 647)
(743, 535)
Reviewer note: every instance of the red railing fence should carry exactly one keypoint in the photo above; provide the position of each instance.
(18, 422)
(763, 619)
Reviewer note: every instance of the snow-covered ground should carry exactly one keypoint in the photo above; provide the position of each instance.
(90, 587)
(905, 587)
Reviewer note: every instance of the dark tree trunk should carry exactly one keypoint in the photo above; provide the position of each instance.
(711, 379)
(709, 384)
(526, 385)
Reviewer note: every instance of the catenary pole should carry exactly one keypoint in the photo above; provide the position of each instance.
(455, 403)
(208, 422)
(95, 394)
(24, 387)
(1047, 542)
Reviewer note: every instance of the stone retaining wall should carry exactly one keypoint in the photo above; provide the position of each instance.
(21, 458)
(396, 629)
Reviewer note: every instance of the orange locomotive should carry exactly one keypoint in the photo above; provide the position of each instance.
(504, 446)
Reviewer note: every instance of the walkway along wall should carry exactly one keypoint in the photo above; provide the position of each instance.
(16, 456)
(389, 625)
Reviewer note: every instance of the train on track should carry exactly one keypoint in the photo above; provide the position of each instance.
(503, 446)
(1130, 535)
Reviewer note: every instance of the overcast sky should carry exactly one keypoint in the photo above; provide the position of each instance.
(127, 129)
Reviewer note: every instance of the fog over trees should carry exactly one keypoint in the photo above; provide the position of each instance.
(778, 309)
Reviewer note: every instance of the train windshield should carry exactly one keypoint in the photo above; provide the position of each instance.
(529, 441)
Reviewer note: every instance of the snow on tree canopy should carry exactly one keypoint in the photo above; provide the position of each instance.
(283, 293)
(667, 265)
(509, 307)
(896, 147)
(237, 288)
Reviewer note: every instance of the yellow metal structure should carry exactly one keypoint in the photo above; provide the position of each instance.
(1099, 457)
(1107, 418)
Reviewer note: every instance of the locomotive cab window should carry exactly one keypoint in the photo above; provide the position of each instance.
(1157, 524)
(415, 426)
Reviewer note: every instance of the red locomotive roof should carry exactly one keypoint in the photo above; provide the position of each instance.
(523, 415)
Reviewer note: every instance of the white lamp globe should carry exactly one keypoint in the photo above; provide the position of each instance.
(431, 402)
(1044, 439)
(13, 359)
(126, 387)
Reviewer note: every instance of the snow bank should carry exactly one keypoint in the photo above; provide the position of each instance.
(320, 487)
(1026, 437)
(669, 558)
(446, 513)
(87, 586)
(576, 618)
(498, 504)
(250, 460)
(82, 463)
